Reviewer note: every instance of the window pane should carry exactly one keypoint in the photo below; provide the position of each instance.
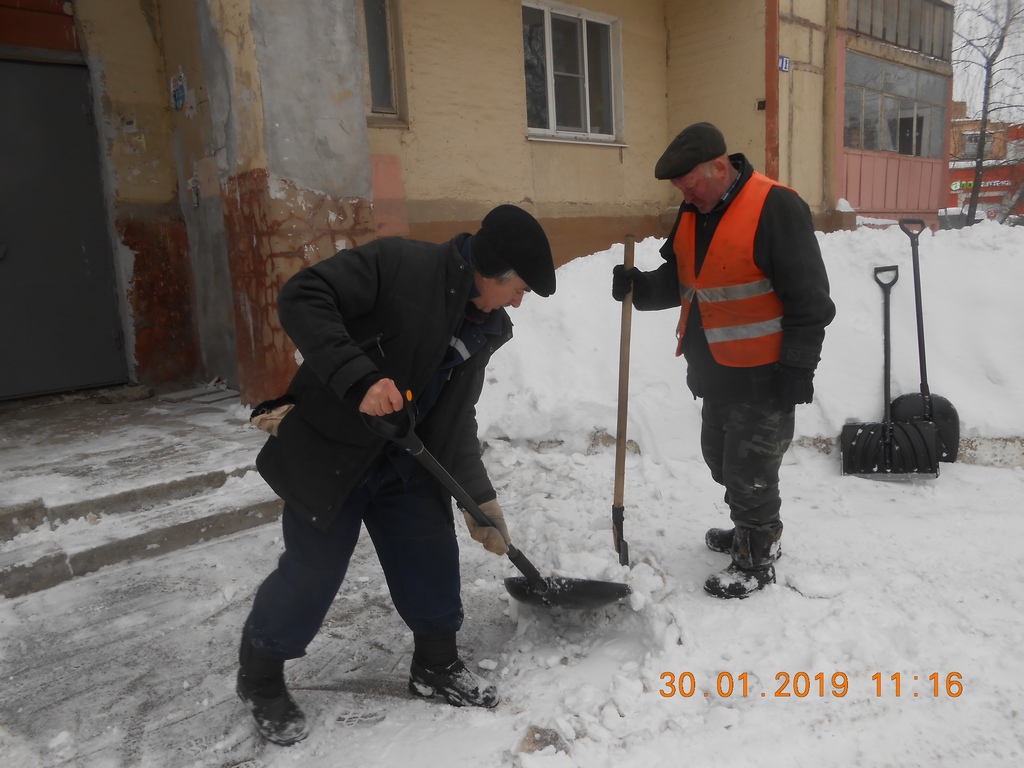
(569, 103)
(890, 139)
(971, 144)
(927, 29)
(914, 39)
(567, 59)
(599, 72)
(535, 61)
(910, 128)
(378, 50)
(934, 133)
(872, 116)
(851, 14)
(891, 14)
(900, 81)
(852, 129)
(877, 18)
(931, 88)
(903, 25)
(861, 70)
(566, 46)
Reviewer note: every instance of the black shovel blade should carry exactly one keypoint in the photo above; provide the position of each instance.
(910, 407)
(560, 592)
(874, 448)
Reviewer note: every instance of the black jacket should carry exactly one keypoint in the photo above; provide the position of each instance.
(390, 306)
(786, 250)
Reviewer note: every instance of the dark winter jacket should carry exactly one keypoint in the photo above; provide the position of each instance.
(389, 307)
(786, 250)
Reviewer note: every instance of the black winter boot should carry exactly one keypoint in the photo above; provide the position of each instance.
(752, 553)
(261, 688)
(436, 668)
(458, 685)
(720, 540)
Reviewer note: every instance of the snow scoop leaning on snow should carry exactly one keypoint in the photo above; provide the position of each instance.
(531, 587)
(889, 447)
(925, 406)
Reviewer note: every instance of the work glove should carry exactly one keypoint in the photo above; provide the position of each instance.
(494, 539)
(622, 281)
(269, 415)
(793, 385)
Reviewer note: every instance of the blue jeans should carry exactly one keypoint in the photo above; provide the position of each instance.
(413, 533)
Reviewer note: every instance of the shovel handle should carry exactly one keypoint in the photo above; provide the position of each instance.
(918, 227)
(887, 284)
(404, 435)
(618, 518)
(916, 260)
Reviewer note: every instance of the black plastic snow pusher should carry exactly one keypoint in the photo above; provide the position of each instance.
(889, 447)
(915, 406)
(531, 587)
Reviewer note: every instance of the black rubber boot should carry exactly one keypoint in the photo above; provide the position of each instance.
(261, 688)
(720, 540)
(753, 553)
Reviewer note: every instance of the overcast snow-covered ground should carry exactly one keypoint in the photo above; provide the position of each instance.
(893, 636)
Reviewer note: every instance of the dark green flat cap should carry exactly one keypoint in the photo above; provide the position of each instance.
(696, 144)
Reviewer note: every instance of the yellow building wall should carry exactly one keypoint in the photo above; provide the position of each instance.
(716, 71)
(803, 38)
(465, 148)
(121, 45)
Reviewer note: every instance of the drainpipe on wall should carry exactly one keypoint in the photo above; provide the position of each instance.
(771, 88)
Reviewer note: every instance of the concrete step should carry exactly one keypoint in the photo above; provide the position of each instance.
(83, 537)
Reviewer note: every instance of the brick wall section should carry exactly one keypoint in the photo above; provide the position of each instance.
(47, 24)
(271, 234)
(161, 295)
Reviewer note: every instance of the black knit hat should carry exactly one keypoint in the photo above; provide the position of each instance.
(696, 144)
(510, 238)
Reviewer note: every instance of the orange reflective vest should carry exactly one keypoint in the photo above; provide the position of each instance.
(741, 313)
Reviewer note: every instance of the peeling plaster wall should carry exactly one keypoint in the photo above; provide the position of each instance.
(311, 68)
(195, 154)
(291, 159)
(121, 43)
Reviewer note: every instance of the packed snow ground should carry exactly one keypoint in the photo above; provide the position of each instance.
(909, 578)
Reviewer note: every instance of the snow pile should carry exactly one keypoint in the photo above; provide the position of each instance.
(909, 582)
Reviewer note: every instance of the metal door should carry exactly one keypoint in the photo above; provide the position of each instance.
(59, 324)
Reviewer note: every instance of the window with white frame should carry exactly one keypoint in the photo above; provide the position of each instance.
(571, 62)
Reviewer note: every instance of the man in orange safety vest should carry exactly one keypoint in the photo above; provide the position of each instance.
(742, 262)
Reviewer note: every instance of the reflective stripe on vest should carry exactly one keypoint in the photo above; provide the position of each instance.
(740, 311)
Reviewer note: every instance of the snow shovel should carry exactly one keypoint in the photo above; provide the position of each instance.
(889, 447)
(531, 587)
(925, 405)
(618, 510)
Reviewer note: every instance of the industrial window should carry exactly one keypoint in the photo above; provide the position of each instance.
(892, 108)
(925, 26)
(972, 139)
(383, 76)
(571, 64)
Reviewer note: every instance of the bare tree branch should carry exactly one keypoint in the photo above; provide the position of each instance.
(990, 49)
